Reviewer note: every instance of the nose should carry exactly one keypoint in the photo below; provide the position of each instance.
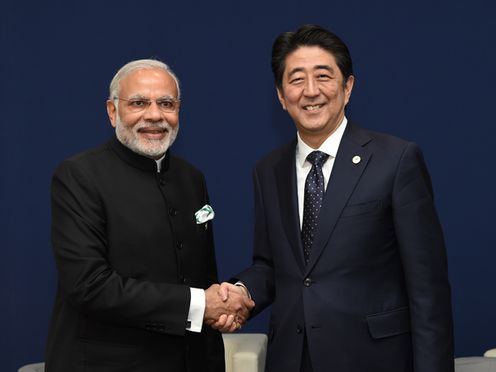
(311, 88)
(152, 112)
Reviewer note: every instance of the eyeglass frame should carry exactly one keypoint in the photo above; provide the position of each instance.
(148, 102)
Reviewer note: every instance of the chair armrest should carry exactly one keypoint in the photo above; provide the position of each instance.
(245, 352)
(490, 353)
(35, 367)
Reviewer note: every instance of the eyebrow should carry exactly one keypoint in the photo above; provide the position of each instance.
(317, 67)
(137, 96)
(294, 71)
(324, 67)
(140, 96)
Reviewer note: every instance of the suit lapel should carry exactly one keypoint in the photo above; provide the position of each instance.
(285, 172)
(344, 177)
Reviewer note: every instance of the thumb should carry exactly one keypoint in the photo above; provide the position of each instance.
(224, 291)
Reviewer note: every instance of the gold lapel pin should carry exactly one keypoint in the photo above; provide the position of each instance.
(356, 159)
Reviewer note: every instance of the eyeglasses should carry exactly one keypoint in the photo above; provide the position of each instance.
(167, 104)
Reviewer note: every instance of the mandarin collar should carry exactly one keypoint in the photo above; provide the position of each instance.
(137, 160)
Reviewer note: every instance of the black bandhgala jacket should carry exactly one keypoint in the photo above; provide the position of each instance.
(127, 248)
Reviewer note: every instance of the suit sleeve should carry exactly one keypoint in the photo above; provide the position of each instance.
(86, 278)
(424, 260)
(259, 278)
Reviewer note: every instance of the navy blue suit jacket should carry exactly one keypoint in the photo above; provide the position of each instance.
(375, 295)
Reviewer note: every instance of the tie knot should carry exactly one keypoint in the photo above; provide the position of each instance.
(317, 158)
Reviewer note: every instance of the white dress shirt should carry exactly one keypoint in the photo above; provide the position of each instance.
(197, 302)
(303, 166)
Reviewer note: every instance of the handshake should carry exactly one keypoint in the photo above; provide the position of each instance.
(227, 307)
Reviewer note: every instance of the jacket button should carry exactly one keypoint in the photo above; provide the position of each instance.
(307, 282)
(299, 329)
(179, 245)
(172, 212)
(162, 182)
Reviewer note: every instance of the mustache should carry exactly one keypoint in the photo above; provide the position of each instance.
(155, 125)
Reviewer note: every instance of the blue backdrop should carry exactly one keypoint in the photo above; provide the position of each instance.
(424, 71)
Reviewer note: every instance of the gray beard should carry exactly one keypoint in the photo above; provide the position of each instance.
(130, 138)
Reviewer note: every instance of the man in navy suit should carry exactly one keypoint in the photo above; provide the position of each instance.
(348, 248)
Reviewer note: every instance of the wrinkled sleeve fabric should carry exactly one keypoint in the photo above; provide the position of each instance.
(423, 254)
(259, 278)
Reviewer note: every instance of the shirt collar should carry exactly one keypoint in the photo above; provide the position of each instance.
(159, 163)
(330, 145)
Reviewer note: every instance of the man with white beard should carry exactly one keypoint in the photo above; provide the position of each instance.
(133, 244)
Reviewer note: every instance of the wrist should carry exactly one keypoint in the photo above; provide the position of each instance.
(243, 287)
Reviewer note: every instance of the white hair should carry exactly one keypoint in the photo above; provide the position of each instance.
(140, 64)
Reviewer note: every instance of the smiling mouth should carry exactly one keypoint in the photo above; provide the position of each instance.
(312, 107)
(153, 133)
(152, 130)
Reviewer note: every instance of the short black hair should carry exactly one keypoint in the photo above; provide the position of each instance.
(309, 35)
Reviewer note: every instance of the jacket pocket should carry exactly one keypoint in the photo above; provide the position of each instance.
(203, 227)
(362, 208)
(389, 323)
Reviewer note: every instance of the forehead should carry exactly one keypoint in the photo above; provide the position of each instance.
(148, 82)
(308, 58)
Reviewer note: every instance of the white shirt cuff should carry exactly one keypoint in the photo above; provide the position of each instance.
(240, 284)
(196, 310)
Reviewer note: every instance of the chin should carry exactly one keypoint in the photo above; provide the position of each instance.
(313, 128)
(150, 148)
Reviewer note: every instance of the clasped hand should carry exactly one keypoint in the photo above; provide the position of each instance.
(227, 307)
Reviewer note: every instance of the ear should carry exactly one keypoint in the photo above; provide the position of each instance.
(348, 87)
(112, 112)
(280, 95)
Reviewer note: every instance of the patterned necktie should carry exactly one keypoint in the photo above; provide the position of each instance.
(314, 193)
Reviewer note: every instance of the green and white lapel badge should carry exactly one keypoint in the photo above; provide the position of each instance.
(206, 213)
